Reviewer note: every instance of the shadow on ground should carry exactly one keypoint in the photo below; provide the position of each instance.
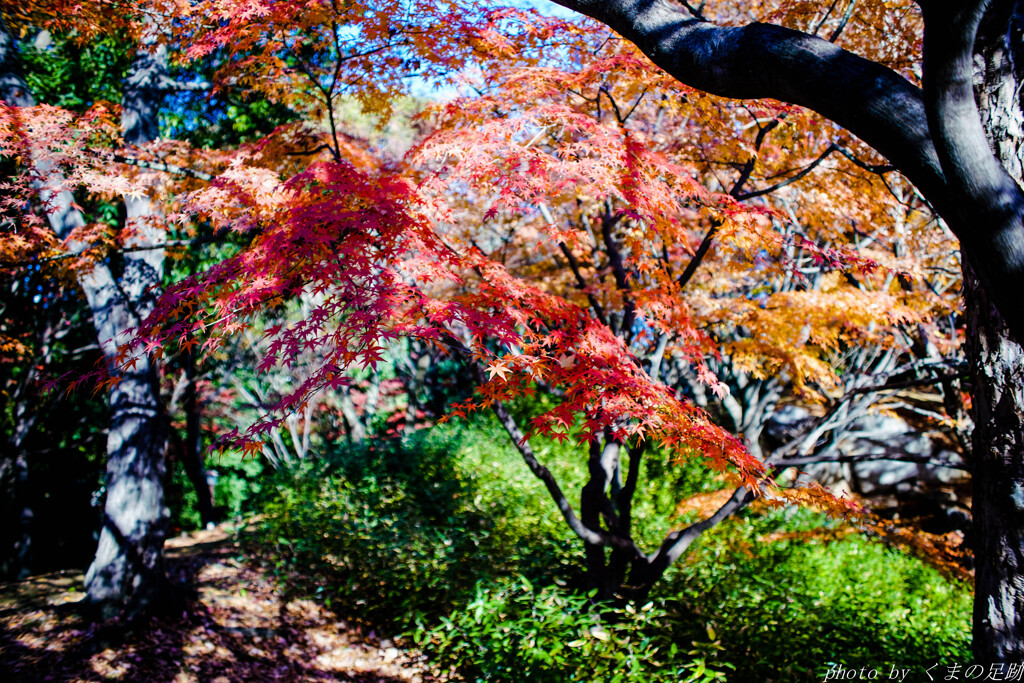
(235, 625)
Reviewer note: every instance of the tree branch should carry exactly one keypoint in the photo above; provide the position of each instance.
(699, 255)
(625, 327)
(218, 236)
(792, 179)
(676, 543)
(842, 22)
(585, 533)
(968, 186)
(574, 265)
(869, 457)
(763, 60)
(160, 166)
(988, 204)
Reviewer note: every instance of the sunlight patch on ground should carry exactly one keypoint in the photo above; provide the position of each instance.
(239, 627)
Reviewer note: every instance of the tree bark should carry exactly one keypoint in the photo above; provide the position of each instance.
(127, 574)
(605, 574)
(17, 516)
(192, 449)
(997, 370)
(16, 536)
(997, 367)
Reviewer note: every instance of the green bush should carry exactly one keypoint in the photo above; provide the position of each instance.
(522, 633)
(396, 531)
(790, 607)
(240, 482)
(449, 538)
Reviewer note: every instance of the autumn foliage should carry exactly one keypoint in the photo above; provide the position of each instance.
(570, 219)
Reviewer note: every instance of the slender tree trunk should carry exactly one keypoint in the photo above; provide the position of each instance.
(17, 516)
(997, 369)
(192, 451)
(127, 574)
(16, 519)
(593, 500)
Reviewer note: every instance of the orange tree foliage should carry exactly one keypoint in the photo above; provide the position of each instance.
(716, 241)
(581, 223)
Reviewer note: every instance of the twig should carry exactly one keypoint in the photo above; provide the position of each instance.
(161, 166)
(792, 179)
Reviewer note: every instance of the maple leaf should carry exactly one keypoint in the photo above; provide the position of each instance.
(557, 214)
(499, 369)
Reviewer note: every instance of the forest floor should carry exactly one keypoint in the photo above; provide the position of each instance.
(235, 624)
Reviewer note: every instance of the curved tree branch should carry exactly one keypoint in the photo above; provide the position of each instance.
(763, 60)
(592, 536)
(987, 203)
(968, 187)
(676, 543)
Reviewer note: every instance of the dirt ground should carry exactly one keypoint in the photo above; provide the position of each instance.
(236, 626)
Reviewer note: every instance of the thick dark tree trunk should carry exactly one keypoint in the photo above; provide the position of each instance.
(606, 501)
(595, 506)
(997, 369)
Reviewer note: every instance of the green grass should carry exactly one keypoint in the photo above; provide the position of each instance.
(790, 608)
(449, 539)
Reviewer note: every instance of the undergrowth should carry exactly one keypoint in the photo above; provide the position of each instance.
(448, 539)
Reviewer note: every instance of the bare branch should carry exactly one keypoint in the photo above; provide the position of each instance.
(160, 166)
(676, 543)
(219, 236)
(842, 23)
(574, 265)
(585, 533)
(870, 457)
(699, 255)
(792, 179)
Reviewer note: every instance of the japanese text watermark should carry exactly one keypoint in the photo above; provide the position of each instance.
(936, 672)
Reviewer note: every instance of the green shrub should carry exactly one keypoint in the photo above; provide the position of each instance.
(396, 531)
(790, 607)
(449, 538)
(240, 482)
(522, 633)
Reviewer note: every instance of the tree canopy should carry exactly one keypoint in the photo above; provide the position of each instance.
(673, 228)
